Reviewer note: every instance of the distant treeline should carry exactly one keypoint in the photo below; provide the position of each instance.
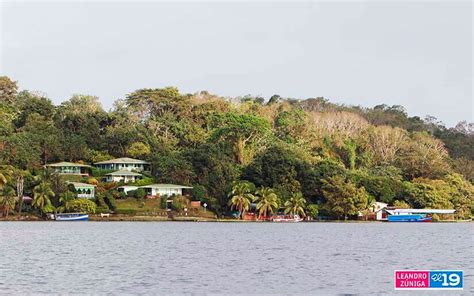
(338, 157)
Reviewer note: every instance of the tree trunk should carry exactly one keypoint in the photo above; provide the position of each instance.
(19, 192)
(240, 150)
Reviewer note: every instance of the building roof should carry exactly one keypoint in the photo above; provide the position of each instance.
(79, 184)
(166, 186)
(128, 187)
(68, 164)
(420, 211)
(123, 173)
(123, 160)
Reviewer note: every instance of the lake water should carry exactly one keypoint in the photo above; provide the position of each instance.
(226, 258)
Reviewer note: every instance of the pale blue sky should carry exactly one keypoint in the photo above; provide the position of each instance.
(418, 55)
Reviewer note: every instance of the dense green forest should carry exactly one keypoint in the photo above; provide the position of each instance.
(338, 158)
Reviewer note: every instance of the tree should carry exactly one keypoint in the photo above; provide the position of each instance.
(241, 130)
(146, 103)
(267, 201)
(30, 104)
(20, 183)
(81, 104)
(383, 183)
(7, 200)
(3, 180)
(42, 195)
(296, 205)
(241, 196)
(281, 168)
(45, 135)
(8, 89)
(215, 168)
(138, 150)
(424, 156)
(385, 142)
(291, 126)
(180, 202)
(82, 205)
(313, 210)
(64, 199)
(400, 204)
(343, 197)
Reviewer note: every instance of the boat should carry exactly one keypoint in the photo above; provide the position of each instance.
(414, 215)
(71, 217)
(287, 218)
(410, 218)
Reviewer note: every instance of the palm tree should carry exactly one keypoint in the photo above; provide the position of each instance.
(296, 204)
(368, 206)
(42, 195)
(5, 174)
(7, 200)
(64, 200)
(267, 201)
(3, 181)
(241, 196)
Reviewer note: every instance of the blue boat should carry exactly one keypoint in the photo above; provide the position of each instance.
(71, 217)
(414, 215)
(410, 218)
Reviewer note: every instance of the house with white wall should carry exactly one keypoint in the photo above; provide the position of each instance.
(123, 163)
(122, 176)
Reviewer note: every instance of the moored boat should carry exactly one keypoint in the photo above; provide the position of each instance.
(71, 217)
(415, 215)
(410, 218)
(287, 218)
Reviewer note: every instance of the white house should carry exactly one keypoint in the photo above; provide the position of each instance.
(84, 190)
(164, 189)
(377, 209)
(70, 168)
(124, 163)
(122, 176)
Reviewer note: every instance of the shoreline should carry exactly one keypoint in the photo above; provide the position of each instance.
(139, 218)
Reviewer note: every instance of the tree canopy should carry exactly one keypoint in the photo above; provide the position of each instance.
(337, 158)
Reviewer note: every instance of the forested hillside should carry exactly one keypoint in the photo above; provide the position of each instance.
(338, 157)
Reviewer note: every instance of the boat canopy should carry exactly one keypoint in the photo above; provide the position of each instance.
(419, 211)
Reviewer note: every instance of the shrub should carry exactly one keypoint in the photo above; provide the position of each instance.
(139, 193)
(100, 173)
(199, 192)
(92, 180)
(82, 205)
(163, 201)
(126, 211)
(99, 200)
(313, 210)
(144, 181)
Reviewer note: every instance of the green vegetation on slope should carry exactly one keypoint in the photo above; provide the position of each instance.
(339, 158)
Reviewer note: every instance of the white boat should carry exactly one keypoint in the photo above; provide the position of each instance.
(71, 217)
(287, 218)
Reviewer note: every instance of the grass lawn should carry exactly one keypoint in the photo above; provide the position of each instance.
(147, 206)
(152, 207)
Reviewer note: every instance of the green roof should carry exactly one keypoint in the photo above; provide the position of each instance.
(123, 160)
(123, 173)
(68, 164)
(166, 186)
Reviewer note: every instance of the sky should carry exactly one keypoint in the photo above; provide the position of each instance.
(414, 54)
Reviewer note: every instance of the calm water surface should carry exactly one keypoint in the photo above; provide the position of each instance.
(226, 258)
